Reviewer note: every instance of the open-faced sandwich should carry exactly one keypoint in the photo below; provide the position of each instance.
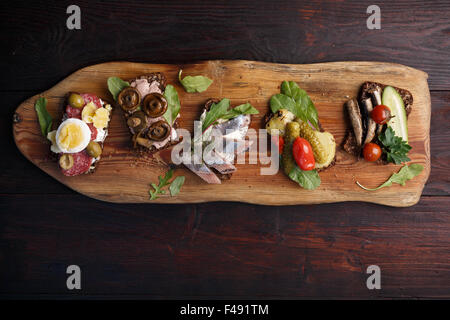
(78, 141)
(379, 123)
(150, 108)
(305, 148)
(223, 132)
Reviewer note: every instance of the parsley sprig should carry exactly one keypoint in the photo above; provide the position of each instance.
(396, 148)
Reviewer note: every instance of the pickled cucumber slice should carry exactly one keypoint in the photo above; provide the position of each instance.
(309, 134)
(322, 143)
(326, 139)
(399, 123)
(292, 132)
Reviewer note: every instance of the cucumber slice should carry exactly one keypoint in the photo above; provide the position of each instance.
(399, 122)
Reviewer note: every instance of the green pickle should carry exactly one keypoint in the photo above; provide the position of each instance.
(306, 132)
(292, 133)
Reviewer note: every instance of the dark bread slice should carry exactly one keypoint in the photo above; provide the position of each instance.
(367, 88)
(94, 166)
(162, 81)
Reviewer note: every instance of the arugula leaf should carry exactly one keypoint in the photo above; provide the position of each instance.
(162, 183)
(297, 101)
(395, 147)
(176, 185)
(194, 83)
(245, 108)
(309, 180)
(115, 85)
(173, 104)
(216, 111)
(45, 120)
(406, 173)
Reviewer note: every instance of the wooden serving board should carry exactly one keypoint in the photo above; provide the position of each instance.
(124, 177)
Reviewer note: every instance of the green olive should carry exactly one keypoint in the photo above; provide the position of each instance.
(94, 149)
(66, 161)
(75, 100)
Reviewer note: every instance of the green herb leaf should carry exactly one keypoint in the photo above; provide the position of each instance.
(395, 147)
(194, 83)
(115, 85)
(176, 185)
(173, 104)
(297, 101)
(246, 108)
(309, 180)
(163, 181)
(282, 101)
(45, 120)
(291, 89)
(216, 111)
(406, 173)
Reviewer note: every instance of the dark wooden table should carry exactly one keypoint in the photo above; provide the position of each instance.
(219, 250)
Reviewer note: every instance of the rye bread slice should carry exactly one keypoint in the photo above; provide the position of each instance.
(160, 78)
(64, 117)
(367, 88)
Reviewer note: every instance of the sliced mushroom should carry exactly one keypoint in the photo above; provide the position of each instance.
(154, 105)
(129, 99)
(139, 140)
(355, 118)
(137, 121)
(159, 130)
(371, 125)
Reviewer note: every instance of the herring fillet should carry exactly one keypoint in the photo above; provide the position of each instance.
(355, 118)
(203, 172)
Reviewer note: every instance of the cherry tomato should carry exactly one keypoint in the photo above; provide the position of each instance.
(381, 114)
(279, 143)
(303, 154)
(371, 152)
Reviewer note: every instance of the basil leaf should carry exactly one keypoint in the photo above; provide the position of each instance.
(45, 120)
(290, 89)
(246, 108)
(303, 107)
(282, 101)
(194, 83)
(309, 180)
(176, 185)
(173, 104)
(217, 111)
(406, 173)
(311, 112)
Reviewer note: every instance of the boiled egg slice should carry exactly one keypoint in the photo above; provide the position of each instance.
(73, 135)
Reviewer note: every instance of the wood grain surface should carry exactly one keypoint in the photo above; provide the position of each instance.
(123, 176)
(220, 249)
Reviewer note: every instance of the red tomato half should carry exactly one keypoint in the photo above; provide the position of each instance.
(279, 143)
(303, 154)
